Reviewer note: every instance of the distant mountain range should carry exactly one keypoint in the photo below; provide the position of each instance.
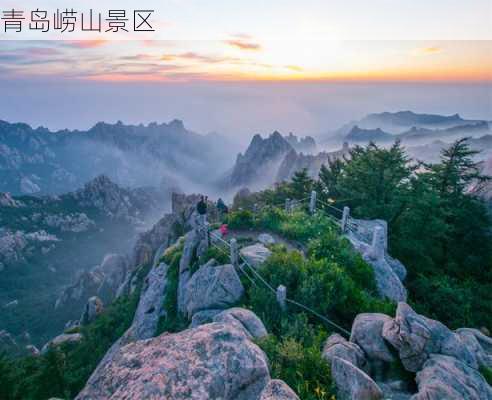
(38, 161)
(361, 135)
(386, 126)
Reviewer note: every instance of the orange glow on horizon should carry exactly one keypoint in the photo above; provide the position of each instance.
(430, 76)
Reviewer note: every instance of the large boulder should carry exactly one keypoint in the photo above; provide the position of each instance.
(146, 318)
(278, 390)
(213, 361)
(477, 343)
(212, 288)
(62, 339)
(337, 346)
(150, 305)
(255, 254)
(244, 319)
(353, 383)
(266, 239)
(203, 317)
(388, 283)
(367, 332)
(191, 243)
(388, 272)
(445, 377)
(417, 337)
(92, 309)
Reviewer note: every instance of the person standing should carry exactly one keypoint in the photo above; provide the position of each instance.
(201, 208)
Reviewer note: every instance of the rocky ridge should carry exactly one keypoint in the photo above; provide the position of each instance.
(215, 358)
(447, 363)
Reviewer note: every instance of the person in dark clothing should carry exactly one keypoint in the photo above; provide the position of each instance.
(201, 207)
(221, 206)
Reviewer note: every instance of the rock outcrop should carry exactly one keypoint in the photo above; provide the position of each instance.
(102, 281)
(243, 319)
(210, 362)
(446, 363)
(295, 161)
(388, 272)
(255, 254)
(266, 239)
(305, 144)
(367, 332)
(445, 377)
(149, 308)
(416, 338)
(212, 288)
(6, 200)
(92, 310)
(278, 390)
(145, 320)
(353, 383)
(114, 201)
(258, 166)
(337, 346)
(63, 339)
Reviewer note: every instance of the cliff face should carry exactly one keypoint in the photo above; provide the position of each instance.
(52, 247)
(294, 162)
(258, 165)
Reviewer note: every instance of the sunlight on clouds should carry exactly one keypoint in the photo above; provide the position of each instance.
(252, 60)
(427, 50)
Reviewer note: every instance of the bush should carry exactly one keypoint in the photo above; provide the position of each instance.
(172, 321)
(240, 219)
(221, 256)
(301, 367)
(487, 374)
(64, 371)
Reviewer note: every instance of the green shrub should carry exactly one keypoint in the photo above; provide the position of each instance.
(242, 219)
(301, 367)
(486, 373)
(221, 256)
(172, 321)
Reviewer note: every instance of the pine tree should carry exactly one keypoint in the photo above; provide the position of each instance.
(328, 180)
(376, 181)
(301, 185)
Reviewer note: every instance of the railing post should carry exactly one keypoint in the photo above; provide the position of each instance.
(377, 247)
(312, 202)
(282, 296)
(345, 217)
(234, 252)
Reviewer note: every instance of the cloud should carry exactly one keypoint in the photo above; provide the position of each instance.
(30, 55)
(41, 51)
(294, 68)
(138, 57)
(243, 44)
(192, 56)
(84, 44)
(427, 50)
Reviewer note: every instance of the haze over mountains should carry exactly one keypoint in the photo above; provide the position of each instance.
(408, 126)
(42, 237)
(38, 161)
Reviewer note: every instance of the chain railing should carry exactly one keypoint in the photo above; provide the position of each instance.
(256, 278)
(341, 219)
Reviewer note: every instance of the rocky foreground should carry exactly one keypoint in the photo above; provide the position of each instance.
(217, 356)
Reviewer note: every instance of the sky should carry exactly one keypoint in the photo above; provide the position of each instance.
(240, 67)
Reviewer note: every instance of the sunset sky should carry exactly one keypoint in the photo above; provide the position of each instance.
(222, 44)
